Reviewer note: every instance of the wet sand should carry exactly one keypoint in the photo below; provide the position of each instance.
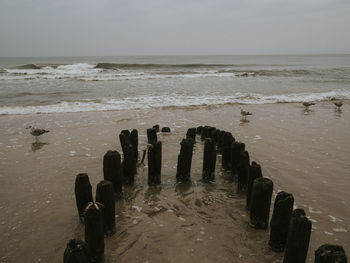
(304, 153)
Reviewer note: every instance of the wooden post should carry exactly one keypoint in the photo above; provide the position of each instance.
(261, 202)
(243, 165)
(94, 233)
(191, 133)
(209, 160)
(156, 127)
(220, 140)
(76, 252)
(129, 162)
(184, 161)
(199, 130)
(227, 141)
(83, 194)
(298, 238)
(155, 163)
(105, 196)
(236, 149)
(166, 129)
(112, 171)
(134, 140)
(254, 171)
(126, 133)
(330, 254)
(279, 225)
(151, 135)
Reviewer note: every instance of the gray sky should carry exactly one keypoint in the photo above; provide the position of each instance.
(173, 27)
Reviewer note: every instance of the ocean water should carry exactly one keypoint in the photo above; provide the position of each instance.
(75, 84)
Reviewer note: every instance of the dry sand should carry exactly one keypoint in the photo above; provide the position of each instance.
(305, 153)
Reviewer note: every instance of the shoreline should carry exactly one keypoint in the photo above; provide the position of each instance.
(305, 154)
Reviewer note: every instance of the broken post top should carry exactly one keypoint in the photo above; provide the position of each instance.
(93, 210)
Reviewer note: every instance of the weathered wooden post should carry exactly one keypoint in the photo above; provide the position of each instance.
(156, 127)
(243, 165)
(254, 171)
(151, 135)
(94, 232)
(126, 133)
(227, 141)
(199, 130)
(298, 238)
(261, 202)
(236, 149)
(105, 196)
(83, 194)
(204, 132)
(330, 254)
(209, 160)
(134, 140)
(112, 171)
(191, 133)
(155, 163)
(279, 225)
(76, 252)
(215, 135)
(129, 162)
(184, 161)
(220, 140)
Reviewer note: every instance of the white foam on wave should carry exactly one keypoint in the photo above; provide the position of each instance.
(105, 104)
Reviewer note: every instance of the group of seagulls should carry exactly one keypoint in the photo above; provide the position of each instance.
(338, 105)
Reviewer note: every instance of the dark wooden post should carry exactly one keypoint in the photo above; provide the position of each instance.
(76, 252)
(134, 140)
(94, 233)
(105, 196)
(243, 165)
(129, 162)
(156, 127)
(151, 135)
(83, 194)
(184, 161)
(215, 135)
(254, 171)
(236, 149)
(279, 225)
(298, 238)
(220, 140)
(261, 202)
(191, 133)
(209, 160)
(155, 163)
(204, 132)
(199, 130)
(126, 133)
(227, 141)
(330, 254)
(112, 171)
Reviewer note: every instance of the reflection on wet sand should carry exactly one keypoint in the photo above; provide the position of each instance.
(244, 121)
(38, 145)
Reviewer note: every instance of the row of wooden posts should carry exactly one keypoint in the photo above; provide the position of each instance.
(290, 229)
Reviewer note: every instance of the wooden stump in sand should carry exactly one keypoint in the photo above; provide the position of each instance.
(112, 171)
(105, 196)
(184, 161)
(76, 252)
(279, 225)
(134, 140)
(129, 162)
(209, 160)
(227, 141)
(330, 254)
(151, 135)
(261, 202)
(154, 163)
(243, 166)
(191, 133)
(83, 194)
(298, 238)
(236, 149)
(254, 171)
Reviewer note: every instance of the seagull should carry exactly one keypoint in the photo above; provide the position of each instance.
(308, 104)
(245, 113)
(36, 132)
(338, 104)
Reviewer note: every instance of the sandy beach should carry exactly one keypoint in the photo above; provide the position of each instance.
(304, 153)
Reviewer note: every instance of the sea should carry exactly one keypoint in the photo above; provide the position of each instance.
(31, 85)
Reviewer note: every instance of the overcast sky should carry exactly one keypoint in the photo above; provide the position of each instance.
(173, 27)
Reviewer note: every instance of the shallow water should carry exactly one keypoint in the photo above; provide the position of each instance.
(303, 152)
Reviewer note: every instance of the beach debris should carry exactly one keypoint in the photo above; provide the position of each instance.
(330, 253)
(112, 171)
(184, 161)
(83, 194)
(166, 129)
(227, 141)
(338, 105)
(236, 149)
(245, 113)
(36, 131)
(76, 251)
(209, 160)
(191, 133)
(279, 225)
(261, 202)
(254, 171)
(298, 238)
(105, 196)
(307, 104)
(94, 231)
(152, 135)
(154, 163)
(243, 165)
(129, 161)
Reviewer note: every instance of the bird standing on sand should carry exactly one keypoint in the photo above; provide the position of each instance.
(308, 104)
(338, 104)
(36, 132)
(245, 113)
